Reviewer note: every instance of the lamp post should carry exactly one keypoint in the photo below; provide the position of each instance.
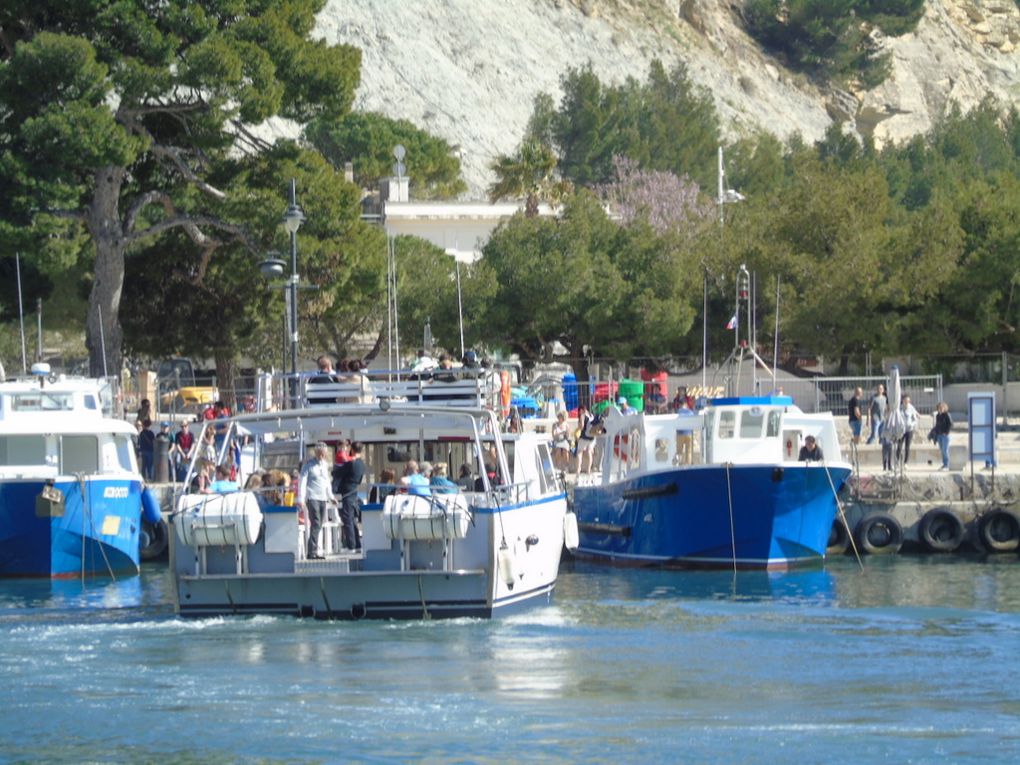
(292, 220)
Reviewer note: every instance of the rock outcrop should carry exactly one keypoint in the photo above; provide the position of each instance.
(469, 70)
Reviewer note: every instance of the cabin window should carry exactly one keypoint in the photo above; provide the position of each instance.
(751, 422)
(23, 450)
(125, 453)
(42, 401)
(79, 454)
(727, 424)
(661, 450)
(774, 422)
(546, 471)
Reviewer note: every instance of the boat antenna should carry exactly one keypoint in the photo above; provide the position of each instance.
(21, 316)
(38, 343)
(775, 338)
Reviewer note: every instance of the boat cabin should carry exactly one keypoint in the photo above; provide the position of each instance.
(738, 430)
(58, 428)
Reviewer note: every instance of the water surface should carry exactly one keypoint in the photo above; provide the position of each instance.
(911, 660)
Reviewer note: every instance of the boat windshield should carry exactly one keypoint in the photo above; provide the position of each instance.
(41, 401)
(24, 450)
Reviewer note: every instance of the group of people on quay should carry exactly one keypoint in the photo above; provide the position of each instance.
(877, 412)
(181, 445)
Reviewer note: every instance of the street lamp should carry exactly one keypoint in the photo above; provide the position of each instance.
(292, 220)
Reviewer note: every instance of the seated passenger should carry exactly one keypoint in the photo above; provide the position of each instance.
(465, 480)
(413, 481)
(254, 484)
(324, 376)
(380, 491)
(445, 372)
(490, 473)
(810, 451)
(439, 482)
(223, 484)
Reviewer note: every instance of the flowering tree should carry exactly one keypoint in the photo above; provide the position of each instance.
(670, 204)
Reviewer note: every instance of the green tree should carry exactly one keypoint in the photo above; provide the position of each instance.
(588, 283)
(367, 140)
(118, 112)
(664, 124)
(529, 173)
(225, 297)
(830, 39)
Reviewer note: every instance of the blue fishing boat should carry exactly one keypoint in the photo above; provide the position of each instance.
(70, 490)
(722, 488)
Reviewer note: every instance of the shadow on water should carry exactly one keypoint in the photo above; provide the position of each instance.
(604, 583)
(125, 598)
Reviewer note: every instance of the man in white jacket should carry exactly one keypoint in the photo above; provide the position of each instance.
(315, 490)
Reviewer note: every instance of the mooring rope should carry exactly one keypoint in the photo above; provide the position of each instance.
(842, 515)
(733, 534)
(86, 509)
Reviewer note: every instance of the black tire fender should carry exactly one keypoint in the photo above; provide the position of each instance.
(158, 536)
(941, 530)
(839, 538)
(999, 530)
(879, 534)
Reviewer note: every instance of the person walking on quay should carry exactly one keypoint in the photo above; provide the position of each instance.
(910, 421)
(314, 491)
(348, 477)
(943, 424)
(147, 448)
(854, 411)
(876, 413)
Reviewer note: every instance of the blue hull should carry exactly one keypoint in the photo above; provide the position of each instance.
(97, 536)
(781, 516)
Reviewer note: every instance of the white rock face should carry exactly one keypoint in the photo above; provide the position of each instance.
(469, 70)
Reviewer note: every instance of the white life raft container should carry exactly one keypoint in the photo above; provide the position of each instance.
(440, 516)
(214, 520)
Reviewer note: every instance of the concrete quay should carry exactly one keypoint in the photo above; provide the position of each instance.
(918, 507)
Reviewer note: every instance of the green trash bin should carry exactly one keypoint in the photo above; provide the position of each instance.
(634, 392)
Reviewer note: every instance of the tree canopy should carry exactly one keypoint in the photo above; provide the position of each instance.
(118, 115)
(367, 140)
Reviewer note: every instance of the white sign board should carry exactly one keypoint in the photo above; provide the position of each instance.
(981, 416)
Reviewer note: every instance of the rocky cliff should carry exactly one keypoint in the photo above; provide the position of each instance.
(468, 70)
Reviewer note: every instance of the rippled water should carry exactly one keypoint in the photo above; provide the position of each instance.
(911, 660)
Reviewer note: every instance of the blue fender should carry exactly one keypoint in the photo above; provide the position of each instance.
(150, 507)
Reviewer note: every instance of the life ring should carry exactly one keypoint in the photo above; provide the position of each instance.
(879, 534)
(839, 538)
(153, 539)
(620, 447)
(505, 392)
(999, 530)
(941, 530)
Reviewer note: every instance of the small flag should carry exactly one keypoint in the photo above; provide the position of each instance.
(732, 323)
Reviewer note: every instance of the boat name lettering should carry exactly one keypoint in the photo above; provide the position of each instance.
(115, 492)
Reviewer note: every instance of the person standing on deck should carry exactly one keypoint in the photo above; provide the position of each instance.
(810, 451)
(314, 491)
(348, 477)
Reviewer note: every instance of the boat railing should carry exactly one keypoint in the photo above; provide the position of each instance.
(454, 387)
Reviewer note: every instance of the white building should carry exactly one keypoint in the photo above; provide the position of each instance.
(459, 228)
